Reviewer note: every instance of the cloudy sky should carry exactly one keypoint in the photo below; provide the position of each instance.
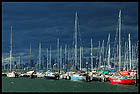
(44, 22)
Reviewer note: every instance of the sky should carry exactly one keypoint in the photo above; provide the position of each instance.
(35, 22)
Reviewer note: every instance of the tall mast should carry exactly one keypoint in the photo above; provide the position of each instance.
(103, 52)
(68, 58)
(39, 56)
(50, 57)
(80, 57)
(30, 57)
(19, 62)
(65, 56)
(120, 40)
(132, 57)
(129, 52)
(125, 56)
(60, 57)
(91, 55)
(137, 55)
(99, 55)
(76, 30)
(11, 51)
(47, 59)
(109, 50)
(58, 63)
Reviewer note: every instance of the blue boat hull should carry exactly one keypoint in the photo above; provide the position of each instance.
(77, 78)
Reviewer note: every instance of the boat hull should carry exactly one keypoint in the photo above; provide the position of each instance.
(122, 81)
(49, 77)
(123, 72)
(77, 78)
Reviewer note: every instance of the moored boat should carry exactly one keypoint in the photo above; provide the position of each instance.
(12, 74)
(50, 75)
(77, 77)
(123, 72)
(121, 80)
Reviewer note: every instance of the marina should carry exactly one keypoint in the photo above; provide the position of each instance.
(110, 66)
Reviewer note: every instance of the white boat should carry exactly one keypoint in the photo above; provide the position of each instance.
(39, 74)
(11, 74)
(49, 75)
(77, 77)
(29, 73)
(65, 76)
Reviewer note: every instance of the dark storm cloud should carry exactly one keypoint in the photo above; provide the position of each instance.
(45, 22)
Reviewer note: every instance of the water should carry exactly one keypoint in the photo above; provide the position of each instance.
(44, 85)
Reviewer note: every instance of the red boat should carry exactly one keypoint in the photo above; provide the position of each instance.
(121, 81)
(133, 70)
(123, 72)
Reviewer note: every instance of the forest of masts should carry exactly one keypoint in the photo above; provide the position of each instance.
(79, 57)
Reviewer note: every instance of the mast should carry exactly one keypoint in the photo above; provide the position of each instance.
(65, 56)
(137, 55)
(30, 57)
(68, 57)
(120, 40)
(58, 63)
(39, 56)
(125, 58)
(132, 57)
(50, 57)
(80, 57)
(127, 55)
(91, 55)
(19, 62)
(11, 51)
(60, 57)
(129, 52)
(99, 55)
(47, 59)
(76, 30)
(117, 54)
(103, 52)
(109, 50)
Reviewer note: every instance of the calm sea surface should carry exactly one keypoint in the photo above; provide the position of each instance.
(44, 85)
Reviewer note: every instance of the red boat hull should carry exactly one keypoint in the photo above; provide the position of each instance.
(122, 81)
(123, 72)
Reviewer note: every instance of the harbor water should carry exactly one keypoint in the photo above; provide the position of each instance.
(44, 85)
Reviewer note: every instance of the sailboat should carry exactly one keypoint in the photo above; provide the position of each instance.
(76, 76)
(123, 77)
(127, 72)
(11, 74)
(121, 80)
